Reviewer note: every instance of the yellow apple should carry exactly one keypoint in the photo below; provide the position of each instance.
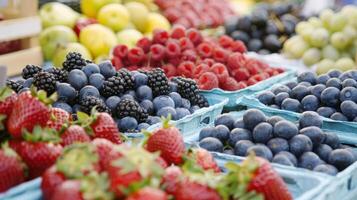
(52, 14)
(62, 50)
(90, 8)
(138, 15)
(157, 21)
(129, 37)
(114, 16)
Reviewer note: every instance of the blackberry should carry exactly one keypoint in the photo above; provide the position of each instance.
(60, 75)
(131, 108)
(30, 70)
(73, 61)
(158, 82)
(200, 101)
(45, 81)
(15, 86)
(88, 102)
(188, 89)
(113, 86)
(128, 79)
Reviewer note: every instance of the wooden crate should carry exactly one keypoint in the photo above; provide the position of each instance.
(25, 27)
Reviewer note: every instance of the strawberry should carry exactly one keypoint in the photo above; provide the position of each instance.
(148, 193)
(58, 118)
(161, 162)
(205, 159)
(168, 141)
(70, 189)
(73, 134)
(105, 151)
(50, 180)
(171, 179)
(189, 190)
(12, 169)
(28, 111)
(7, 100)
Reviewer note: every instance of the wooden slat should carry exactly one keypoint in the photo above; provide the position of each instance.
(19, 28)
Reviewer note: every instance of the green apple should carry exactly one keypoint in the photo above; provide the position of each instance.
(129, 37)
(90, 8)
(53, 36)
(114, 16)
(157, 21)
(98, 39)
(52, 14)
(138, 15)
(62, 50)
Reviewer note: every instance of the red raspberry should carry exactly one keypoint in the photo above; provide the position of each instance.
(238, 46)
(270, 71)
(170, 70)
(178, 31)
(275, 73)
(157, 52)
(255, 79)
(280, 70)
(172, 49)
(230, 84)
(175, 61)
(225, 41)
(204, 50)
(242, 85)
(220, 55)
(235, 61)
(189, 55)
(241, 74)
(136, 55)
(172, 14)
(220, 71)
(192, 18)
(185, 43)
(208, 81)
(132, 68)
(194, 35)
(116, 61)
(120, 51)
(144, 43)
(200, 69)
(183, 22)
(160, 36)
(186, 69)
(209, 61)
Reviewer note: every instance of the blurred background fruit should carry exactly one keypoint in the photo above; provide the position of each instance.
(60, 54)
(57, 14)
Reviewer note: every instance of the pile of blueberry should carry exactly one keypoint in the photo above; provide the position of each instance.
(280, 141)
(332, 95)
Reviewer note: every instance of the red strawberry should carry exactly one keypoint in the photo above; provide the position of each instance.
(208, 81)
(12, 170)
(205, 160)
(230, 84)
(27, 112)
(58, 118)
(50, 180)
(70, 189)
(104, 126)
(161, 162)
(148, 193)
(73, 134)
(171, 178)
(220, 71)
(121, 180)
(189, 190)
(106, 152)
(7, 100)
(168, 141)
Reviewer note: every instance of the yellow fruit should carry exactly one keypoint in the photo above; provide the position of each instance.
(91, 7)
(129, 37)
(114, 16)
(63, 50)
(138, 15)
(157, 21)
(101, 58)
(98, 39)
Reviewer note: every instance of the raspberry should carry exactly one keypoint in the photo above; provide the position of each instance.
(160, 36)
(170, 70)
(172, 14)
(186, 69)
(144, 43)
(135, 55)
(270, 71)
(184, 22)
(241, 74)
(225, 41)
(255, 79)
(178, 31)
(209, 61)
(235, 61)
(242, 85)
(200, 69)
(238, 46)
(117, 63)
(120, 51)
(175, 61)
(280, 70)
(189, 55)
(208, 81)
(220, 71)
(172, 49)
(194, 35)
(220, 55)
(133, 68)
(230, 84)
(157, 52)
(204, 50)
(185, 43)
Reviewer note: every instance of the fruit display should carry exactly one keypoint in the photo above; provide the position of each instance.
(267, 28)
(212, 62)
(332, 95)
(327, 41)
(135, 99)
(196, 14)
(302, 144)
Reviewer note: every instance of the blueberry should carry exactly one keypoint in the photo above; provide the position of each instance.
(207, 132)
(291, 84)
(334, 82)
(299, 92)
(323, 151)
(148, 106)
(132, 93)
(106, 69)
(127, 124)
(88, 91)
(143, 126)
(253, 117)
(334, 73)
(140, 79)
(280, 89)
(222, 133)
(291, 105)
(112, 102)
(279, 98)
(211, 144)
(66, 92)
(322, 79)
(181, 113)
(274, 119)
(339, 116)
(314, 133)
(306, 84)
(186, 103)
(177, 98)
(77, 79)
(349, 109)
(266, 97)
(285, 129)
(90, 69)
(300, 144)
(348, 93)
(261, 151)
(326, 168)
(316, 90)
(332, 140)
(326, 111)
(238, 124)
(290, 156)
(153, 120)
(310, 118)
(173, 86)
(241, 147)
(309, 77)
(27, 83)
(225, 119)
(341, 158)
(309, 160)
(346, 75)
(128, 96)
(194, 109)
(96, 80)
(166, 111)
(228, 151)
(310, 103)
(63, 106)
(239, 134)
(349, 83)
(163, 101)
(76, 108)
(144, 92)
(277, 145)
(330, 96)
(282, 159)
(262, 133)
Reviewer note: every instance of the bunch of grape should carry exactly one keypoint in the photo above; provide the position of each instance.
(329, 41)
(266, 29)
(196, 14)
(212, 62)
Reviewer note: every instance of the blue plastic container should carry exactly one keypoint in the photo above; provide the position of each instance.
(26, 191)
(234, 95)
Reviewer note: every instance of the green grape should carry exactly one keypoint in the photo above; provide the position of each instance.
(315, 22)
(311, 56)
(302, 27)
(350, 32)
(350, 12)
(326, 16)
(324, 66)
(353, 49)
(337, 22)
(319, 38)
(330, 52)
(345, 64)
(307, 34)
(339, 40)
(345, 54)
(290, 45)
